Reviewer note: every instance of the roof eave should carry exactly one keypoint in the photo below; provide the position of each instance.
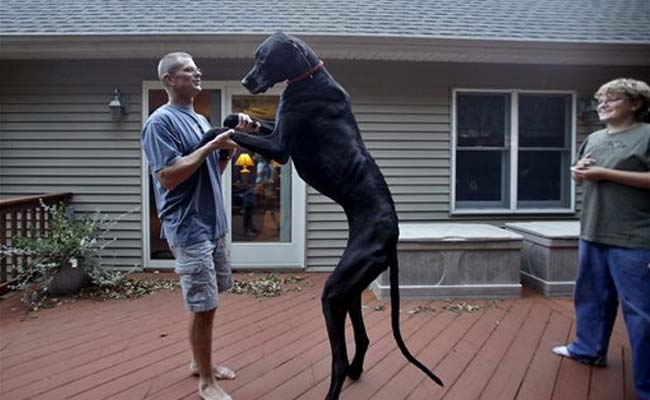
(15, 47)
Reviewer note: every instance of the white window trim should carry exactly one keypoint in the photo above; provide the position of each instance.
(514, 150)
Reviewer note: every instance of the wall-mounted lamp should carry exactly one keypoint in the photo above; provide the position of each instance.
(244, 160)
(587, 108)
(118, 106)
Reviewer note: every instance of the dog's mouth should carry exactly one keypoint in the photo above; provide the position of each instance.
(253, 86)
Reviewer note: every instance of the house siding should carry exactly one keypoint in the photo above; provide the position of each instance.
(57, 136)
(409, 139)
(404, 115)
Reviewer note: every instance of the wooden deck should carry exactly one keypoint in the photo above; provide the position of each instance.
(138, 349)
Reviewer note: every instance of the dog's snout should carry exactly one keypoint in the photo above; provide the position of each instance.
(248, 83)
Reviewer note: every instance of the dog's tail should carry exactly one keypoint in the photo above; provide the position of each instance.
(394, 300)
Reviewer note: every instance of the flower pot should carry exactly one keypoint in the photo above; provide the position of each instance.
(68, 281)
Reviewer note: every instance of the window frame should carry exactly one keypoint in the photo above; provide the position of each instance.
(513, 148)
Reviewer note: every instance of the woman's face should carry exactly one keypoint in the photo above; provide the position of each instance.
(617, 108)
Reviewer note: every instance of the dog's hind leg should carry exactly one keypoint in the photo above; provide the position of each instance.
(334, 311)
(361, 340)
(365, 257)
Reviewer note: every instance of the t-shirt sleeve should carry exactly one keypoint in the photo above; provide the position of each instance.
(161, 145)
(581, 150)
(206, 124)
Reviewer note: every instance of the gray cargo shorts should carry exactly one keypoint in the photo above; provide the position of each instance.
(204, 271)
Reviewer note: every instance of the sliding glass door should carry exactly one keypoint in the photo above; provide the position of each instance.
(265, 201)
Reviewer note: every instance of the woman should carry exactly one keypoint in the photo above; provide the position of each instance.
(614, 249)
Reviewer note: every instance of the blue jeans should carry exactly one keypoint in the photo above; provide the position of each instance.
(606, 275)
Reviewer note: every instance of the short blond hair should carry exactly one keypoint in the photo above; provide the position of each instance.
(630, 88)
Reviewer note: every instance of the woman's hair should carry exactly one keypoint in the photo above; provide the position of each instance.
(633, 90)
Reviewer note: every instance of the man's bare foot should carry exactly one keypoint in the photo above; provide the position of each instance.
(221, 373)
(212, 391)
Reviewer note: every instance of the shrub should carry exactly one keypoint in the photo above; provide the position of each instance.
(71, 242)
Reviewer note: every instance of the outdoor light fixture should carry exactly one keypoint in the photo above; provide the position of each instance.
(118, 106)
(587, 107)
(244, 160)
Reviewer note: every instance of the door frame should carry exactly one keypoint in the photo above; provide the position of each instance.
(275, 255)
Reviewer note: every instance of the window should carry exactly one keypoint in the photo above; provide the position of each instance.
(512, 151)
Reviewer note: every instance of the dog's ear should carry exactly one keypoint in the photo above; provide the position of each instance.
(302, 48)
(278, 42)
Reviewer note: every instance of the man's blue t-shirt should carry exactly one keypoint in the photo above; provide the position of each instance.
(193, 211)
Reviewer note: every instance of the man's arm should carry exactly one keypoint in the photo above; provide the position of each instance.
(172, 176)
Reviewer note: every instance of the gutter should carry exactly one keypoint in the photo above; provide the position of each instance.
(336, 47)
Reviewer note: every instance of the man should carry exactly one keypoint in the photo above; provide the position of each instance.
(190, 205)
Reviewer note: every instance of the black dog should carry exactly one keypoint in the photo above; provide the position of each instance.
(316, 128)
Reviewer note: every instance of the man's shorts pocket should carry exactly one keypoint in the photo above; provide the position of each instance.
(195, 268)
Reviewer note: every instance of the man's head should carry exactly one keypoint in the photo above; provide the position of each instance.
(621, 96)
(179, 74)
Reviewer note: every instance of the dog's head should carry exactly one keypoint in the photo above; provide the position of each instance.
(280, 57)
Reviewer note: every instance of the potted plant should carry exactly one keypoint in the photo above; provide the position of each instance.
(67, 257)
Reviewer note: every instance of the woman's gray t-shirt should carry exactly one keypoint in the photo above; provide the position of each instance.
(613, 213)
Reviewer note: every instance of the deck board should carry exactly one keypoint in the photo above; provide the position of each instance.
(138, 349)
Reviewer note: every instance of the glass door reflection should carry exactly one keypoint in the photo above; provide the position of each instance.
(261, 188)
(207, 103)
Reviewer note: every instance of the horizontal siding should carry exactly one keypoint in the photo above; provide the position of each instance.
(409, 139)
(57, 136)
(83, 161)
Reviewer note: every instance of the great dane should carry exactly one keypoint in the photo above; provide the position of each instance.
(315, 127)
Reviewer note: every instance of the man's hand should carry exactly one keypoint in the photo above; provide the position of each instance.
(222, 141)
(246, 124)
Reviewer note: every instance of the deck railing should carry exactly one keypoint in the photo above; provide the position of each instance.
(21, 216)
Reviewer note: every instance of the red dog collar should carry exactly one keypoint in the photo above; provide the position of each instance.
(307, 74)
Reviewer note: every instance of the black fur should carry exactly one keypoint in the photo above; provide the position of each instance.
(316, 128)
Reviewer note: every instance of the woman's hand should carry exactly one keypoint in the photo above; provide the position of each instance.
(588, 173)
(580, 172)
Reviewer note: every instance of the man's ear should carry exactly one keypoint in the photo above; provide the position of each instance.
(167, 79)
